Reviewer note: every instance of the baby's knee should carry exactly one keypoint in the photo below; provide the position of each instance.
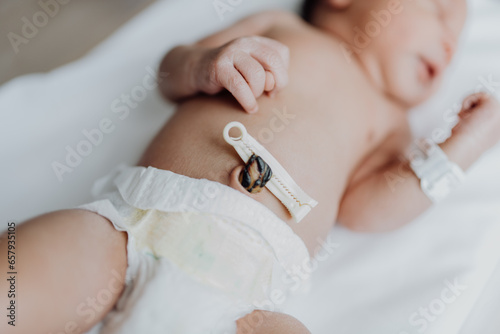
(265, 322)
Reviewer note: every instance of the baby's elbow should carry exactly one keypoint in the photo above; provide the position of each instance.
(167, 93)
(362, 223)
(354, 224)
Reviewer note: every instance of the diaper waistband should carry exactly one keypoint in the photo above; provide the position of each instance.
(152, 188)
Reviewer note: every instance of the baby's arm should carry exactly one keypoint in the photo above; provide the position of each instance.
(237, 59)
(392, 197)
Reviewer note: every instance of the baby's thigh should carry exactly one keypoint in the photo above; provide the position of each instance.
(69, 271)
(265, 322)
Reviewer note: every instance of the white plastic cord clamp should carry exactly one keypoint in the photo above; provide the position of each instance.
(281, 184)
(438, 175)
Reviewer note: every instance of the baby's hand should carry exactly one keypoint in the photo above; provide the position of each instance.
(479, 121)
(247, 67)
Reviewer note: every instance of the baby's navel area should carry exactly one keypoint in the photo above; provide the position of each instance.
(192, 144)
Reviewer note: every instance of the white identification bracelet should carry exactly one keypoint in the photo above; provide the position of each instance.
(281, 184)
(438, 175)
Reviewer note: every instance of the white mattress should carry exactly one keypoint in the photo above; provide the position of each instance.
(371, 283)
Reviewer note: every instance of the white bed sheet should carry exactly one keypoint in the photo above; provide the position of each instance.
(371, 283)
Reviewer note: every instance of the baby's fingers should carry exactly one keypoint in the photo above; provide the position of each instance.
(269, 86)
(479, 103)
(273, 56)
(252, 71)
(472, 102)
(237, 85)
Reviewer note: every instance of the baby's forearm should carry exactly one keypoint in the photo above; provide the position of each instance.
(393, 197)
(179, 65)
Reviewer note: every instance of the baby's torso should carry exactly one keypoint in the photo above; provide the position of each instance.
(322, 128)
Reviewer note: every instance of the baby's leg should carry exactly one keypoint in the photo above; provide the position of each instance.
(265, 322)
(70, 269)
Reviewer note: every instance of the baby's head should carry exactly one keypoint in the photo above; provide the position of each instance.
(405, 45)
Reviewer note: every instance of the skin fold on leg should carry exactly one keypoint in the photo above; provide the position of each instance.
(70, 269)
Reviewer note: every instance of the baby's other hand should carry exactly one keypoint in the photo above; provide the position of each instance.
(247, 67)
(479, 121)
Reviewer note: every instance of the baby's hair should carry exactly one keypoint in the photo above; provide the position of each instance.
(307, 9)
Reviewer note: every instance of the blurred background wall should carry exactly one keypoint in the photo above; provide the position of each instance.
(39, 35)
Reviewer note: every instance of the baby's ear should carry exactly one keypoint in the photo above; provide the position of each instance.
(339, 4)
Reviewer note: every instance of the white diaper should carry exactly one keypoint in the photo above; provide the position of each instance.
(200, 254)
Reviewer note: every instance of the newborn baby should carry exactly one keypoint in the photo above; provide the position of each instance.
(327, 99)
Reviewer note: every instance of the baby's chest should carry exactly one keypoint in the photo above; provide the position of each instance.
(392, 140)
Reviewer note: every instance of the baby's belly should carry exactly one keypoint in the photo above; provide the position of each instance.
(306, 144)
